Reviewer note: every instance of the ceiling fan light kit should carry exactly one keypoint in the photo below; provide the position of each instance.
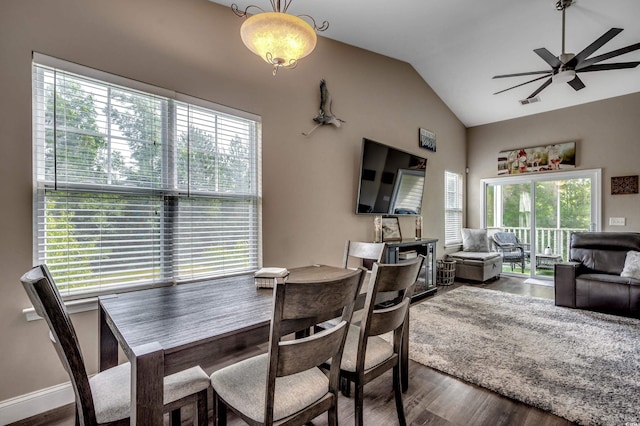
(279, 38)
(563, 76)
(565, 68)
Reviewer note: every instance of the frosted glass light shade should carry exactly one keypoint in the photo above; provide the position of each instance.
(278, 38)
(564, 76)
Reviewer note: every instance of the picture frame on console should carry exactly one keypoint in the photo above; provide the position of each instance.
(391, 229)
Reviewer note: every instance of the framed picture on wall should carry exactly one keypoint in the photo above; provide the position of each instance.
(624, 185)
(391, 229)
(537, 159)
(427, 139)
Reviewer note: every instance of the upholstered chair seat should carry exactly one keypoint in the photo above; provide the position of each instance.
(111, 390)
(242, 385)
(378, 351)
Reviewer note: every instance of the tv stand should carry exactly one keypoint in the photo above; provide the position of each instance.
(400, 251)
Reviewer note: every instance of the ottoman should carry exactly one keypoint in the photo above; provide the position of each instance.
(477, 266)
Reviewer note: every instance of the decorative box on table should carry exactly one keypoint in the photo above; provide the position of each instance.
(266, 277)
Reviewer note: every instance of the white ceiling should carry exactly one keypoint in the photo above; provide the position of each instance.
(458, 45)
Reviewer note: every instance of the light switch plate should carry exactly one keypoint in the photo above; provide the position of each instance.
(617, 221)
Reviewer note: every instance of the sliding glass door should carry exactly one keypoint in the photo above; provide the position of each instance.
(542, 211)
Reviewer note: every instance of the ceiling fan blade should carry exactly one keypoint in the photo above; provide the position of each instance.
(604, 67)
(521, 74)
(612, 54)
(576, 83)
(540, 89)
(526, 82)
(548, 57)
(587, 51)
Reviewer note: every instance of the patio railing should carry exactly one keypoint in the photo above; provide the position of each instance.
(555, 238)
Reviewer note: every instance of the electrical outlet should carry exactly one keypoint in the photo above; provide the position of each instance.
(617, 221)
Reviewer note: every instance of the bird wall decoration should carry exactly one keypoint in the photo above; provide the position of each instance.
(325, 116)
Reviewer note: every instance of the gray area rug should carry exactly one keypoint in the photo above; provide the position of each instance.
(580, 365)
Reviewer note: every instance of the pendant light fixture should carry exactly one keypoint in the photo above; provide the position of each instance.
(277, 37)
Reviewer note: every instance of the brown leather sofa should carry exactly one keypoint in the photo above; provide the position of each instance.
(591, 279)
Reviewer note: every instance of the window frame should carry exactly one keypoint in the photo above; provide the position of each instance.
(42, 185)
(456, 209)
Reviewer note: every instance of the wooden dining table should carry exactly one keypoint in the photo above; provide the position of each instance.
(167, 329)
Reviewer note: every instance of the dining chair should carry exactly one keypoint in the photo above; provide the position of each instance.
(105, 398)
(366, 354)
(358, 253)
(285, 386)
(365, 254)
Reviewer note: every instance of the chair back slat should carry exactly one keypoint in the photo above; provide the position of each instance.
(47, 302)
(396, 278)
(366, 254)
(304, 299)
(305, 353)
(388, 319)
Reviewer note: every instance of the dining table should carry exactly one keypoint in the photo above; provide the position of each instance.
(164, 330)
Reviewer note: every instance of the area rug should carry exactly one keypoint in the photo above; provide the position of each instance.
(580, 365)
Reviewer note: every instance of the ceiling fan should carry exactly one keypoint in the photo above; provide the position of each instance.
(565, 68)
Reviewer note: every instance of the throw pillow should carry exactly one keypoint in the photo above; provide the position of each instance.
(474, 240)
(632, 265)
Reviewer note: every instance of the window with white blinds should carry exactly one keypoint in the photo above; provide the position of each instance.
(134, 188)
(452, 208)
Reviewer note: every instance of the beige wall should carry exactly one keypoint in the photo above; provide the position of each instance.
(607, 136)
(193, 47)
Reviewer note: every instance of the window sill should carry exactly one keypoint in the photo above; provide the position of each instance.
(89, 301)
(73, 307)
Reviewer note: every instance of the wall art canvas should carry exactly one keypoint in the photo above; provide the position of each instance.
(545, 158)
(427, 140)
(624, 185)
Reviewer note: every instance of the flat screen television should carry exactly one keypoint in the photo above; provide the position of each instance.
(391, 181)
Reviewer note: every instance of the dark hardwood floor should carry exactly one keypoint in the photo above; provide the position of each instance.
(433, 398)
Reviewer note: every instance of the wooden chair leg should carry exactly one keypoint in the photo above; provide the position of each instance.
(214, 409)
(397, 390)
(332, 415)
(345, 386)
(202, 407)
(219, 411)
(358, 403)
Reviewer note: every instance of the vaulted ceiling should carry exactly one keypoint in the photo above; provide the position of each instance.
(457, 46)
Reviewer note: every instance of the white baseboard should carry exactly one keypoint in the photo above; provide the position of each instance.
(24, 406)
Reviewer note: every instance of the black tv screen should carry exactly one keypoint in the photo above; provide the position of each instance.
(391, 180)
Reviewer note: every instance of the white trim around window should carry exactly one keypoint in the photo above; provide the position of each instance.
(453, 208)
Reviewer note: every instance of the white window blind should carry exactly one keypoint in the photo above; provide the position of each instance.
(452, 208)
(137, 189)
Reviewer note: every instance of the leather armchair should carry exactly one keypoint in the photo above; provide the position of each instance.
(591, 279)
